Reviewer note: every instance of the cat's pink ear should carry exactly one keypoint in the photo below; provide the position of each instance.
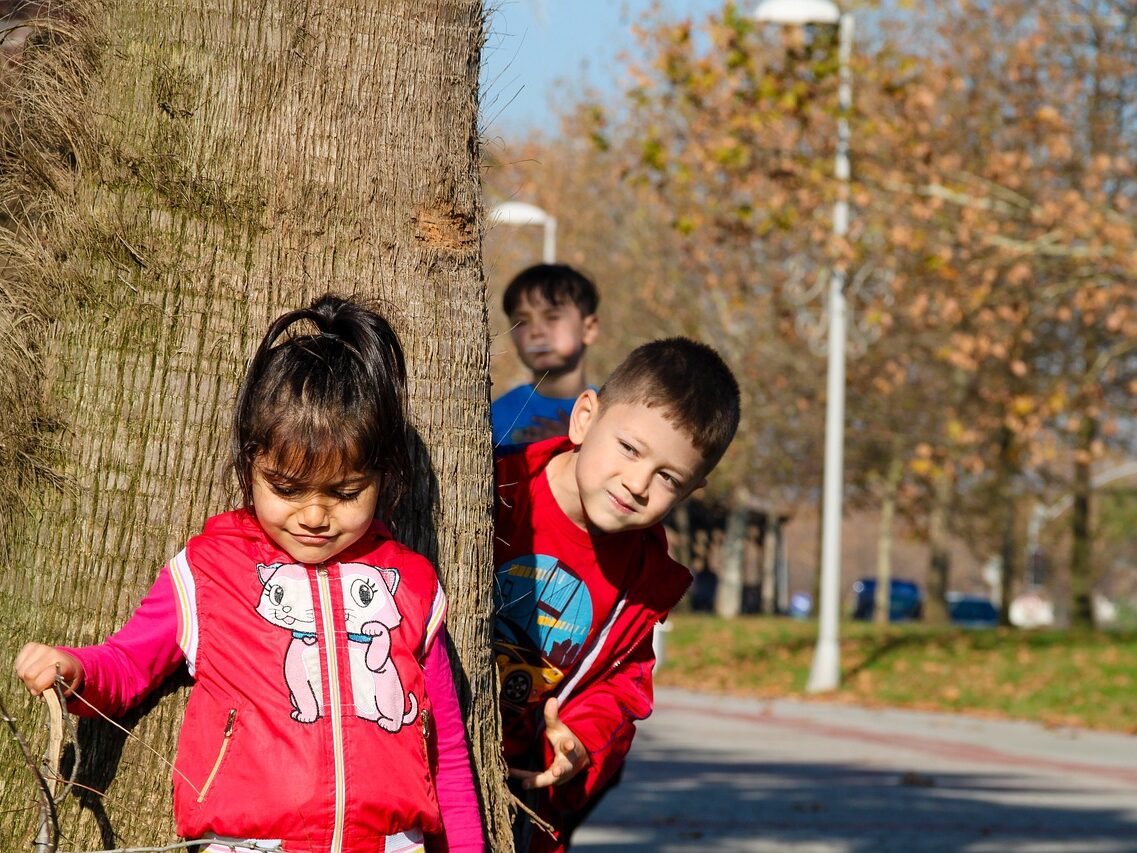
(265, 572)
(391, 578)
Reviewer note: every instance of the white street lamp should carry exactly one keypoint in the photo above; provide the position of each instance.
(520, 213)
(825, 673)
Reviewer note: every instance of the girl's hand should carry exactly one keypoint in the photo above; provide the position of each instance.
(37, 666)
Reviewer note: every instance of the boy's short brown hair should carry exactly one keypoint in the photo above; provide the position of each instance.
(690, 382)
(557, 284)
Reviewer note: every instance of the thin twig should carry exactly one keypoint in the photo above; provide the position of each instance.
(538, 821)
(130, 735)
(46, 802)
(47, 836)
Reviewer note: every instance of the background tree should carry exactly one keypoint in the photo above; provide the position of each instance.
(993, 152)
(173, 178)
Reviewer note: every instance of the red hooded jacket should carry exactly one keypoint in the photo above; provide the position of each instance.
(308, 721)
(632, 584)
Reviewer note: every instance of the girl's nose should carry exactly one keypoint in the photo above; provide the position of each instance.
(314, 514)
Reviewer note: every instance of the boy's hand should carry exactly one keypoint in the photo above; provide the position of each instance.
(569, 755)
(37, 666)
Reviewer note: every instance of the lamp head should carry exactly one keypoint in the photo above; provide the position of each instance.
(797, 12)
(519, 213)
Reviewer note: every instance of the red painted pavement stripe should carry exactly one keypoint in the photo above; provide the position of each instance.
(958, 750)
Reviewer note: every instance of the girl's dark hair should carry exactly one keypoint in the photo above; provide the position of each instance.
(323, 401)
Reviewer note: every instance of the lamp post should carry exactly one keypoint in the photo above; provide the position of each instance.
(520, 213)
(825, 673)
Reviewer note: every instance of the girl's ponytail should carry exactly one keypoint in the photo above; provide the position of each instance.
(335, 396)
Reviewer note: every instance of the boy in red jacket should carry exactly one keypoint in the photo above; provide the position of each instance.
(583, 574)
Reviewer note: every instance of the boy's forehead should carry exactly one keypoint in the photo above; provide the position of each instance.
(534, 299)
(655, 425)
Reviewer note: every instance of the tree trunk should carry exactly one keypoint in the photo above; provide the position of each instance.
(1009, 575)
(771, 534)
(1081, 547)
(882, 604)
(224, 163)
(728, 593)
(935, 606)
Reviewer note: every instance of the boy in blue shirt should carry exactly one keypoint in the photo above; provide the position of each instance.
(552, 312)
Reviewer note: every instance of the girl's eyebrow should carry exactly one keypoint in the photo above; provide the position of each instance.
(351, 479)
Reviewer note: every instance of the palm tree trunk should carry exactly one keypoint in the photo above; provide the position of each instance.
(227, 162)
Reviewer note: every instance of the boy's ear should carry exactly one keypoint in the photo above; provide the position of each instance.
(590, 329)
(585, 411)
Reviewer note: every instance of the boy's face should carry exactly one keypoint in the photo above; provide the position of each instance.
(550, 338)
(633, 465)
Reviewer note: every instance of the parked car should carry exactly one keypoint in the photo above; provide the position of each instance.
(972, 611)
(905, 600)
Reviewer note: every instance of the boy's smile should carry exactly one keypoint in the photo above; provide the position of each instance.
(313, 522)
(632, 466)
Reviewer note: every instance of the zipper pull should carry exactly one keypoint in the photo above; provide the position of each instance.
(424, 716)
(229, 723)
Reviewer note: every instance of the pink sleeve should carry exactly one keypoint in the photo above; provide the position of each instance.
(134, 660)
(461, 817)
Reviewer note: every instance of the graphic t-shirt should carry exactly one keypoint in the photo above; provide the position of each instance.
(555, 587)
(523, 415)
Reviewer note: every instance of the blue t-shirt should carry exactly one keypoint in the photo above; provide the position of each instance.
(515, 415)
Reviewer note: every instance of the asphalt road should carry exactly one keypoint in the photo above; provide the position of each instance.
(709, 773)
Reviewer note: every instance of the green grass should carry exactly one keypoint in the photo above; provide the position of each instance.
(1058, 678)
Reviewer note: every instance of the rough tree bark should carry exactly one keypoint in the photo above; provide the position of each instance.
(176, 174)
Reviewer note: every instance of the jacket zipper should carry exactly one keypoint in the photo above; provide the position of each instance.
(643, 635)
(225, 738)
(612, 667)
(424, 718)
(323, 586)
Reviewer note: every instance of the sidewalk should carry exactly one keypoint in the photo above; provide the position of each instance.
(714, 773)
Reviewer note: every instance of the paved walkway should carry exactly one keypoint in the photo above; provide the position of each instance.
(710, 773)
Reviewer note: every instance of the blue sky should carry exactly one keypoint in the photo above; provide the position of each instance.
(533, 44)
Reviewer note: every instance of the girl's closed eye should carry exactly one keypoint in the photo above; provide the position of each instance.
(284, 490)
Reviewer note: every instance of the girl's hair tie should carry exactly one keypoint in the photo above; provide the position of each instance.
(332, 336)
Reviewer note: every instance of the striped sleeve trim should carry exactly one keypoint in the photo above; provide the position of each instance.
(186, 592)
(435, 620)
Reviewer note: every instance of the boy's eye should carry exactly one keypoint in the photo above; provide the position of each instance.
(671, 480)
(627, 448)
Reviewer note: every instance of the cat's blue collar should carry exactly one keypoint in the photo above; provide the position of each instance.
(310, 635)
